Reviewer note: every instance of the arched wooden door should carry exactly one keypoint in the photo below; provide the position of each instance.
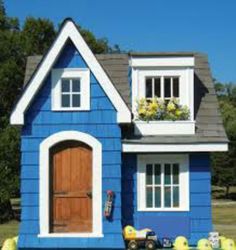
(71, 188)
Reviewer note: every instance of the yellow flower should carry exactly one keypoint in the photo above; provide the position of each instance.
(150, 114)
(153, 105)
(178, 113)
(171, 106)
(141, 111)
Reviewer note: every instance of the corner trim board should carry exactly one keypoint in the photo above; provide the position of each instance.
(69, 31)
(44, 182)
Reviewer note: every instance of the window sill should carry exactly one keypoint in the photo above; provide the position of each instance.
(70, 109)
(164, 127)
(71, 235)
(163, 210)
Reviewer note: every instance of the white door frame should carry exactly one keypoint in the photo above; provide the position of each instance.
(44, 197)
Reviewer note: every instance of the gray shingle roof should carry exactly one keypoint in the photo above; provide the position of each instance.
(209, 127)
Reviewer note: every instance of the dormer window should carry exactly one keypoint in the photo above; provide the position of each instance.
(70, 89)
(170, 79)
(164, 87)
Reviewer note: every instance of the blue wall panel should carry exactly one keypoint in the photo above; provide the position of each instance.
(195, 223)
(41, 122)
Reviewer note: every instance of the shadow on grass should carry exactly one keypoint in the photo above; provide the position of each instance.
(221, 194)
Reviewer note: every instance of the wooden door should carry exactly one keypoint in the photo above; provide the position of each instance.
(71, 188)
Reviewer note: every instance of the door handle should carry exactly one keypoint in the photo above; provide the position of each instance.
(89, 194)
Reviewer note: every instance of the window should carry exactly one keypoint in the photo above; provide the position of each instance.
(163, 183)
(165, 77)
(70, 89)
(165, 87)
(70, 93)
(162, 180)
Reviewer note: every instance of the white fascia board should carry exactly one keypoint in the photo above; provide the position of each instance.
(69, 30)
(187, 61)
(151, 148)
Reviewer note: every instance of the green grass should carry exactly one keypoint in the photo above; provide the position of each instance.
(224, 214)
(7, 230)
(224, 219)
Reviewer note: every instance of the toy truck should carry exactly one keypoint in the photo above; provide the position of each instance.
(138, 239)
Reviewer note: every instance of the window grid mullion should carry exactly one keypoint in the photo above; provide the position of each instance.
(162, 185)
(171, 87)
(71, 92)
(153, 187)
(162, 88)
(153, 91)
(171, 184)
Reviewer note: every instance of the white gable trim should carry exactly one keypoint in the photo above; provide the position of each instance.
(69, 30)
(153, 148)
(44, 182)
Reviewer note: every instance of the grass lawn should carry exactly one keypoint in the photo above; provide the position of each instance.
(224, 219)
(7, 230)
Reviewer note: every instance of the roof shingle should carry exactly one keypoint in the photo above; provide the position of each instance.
(209, 127)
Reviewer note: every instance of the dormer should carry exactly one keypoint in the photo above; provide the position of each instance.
(163, 78)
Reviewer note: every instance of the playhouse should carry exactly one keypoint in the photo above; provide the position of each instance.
(141, 125)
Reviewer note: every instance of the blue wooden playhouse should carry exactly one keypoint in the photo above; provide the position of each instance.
(82, 136)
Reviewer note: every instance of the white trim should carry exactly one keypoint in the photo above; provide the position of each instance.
(164, 127)
(199, 147)
(44, 180)
(183, 161)
(71, 235)
(162, 61)
(69, 30)
(83, 74)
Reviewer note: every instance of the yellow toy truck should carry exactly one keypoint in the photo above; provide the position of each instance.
(138, 239)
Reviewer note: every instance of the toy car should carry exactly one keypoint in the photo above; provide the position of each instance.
(138, 239)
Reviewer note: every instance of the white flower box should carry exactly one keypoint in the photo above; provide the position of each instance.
(164, 127)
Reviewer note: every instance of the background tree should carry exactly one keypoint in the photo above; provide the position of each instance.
(37, 34)
(224, 164)
(11, 76)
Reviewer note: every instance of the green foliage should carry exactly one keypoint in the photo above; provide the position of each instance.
(38, 35)
(11, 77)
(157, 109)
(2, 16)
(9, 168)
(9, 162)
(98, 46)
(224, 164)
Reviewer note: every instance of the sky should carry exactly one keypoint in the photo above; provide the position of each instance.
(207, 26)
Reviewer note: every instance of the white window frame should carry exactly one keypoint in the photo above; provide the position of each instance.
(183, 161)
(186, 84)
(71, 73)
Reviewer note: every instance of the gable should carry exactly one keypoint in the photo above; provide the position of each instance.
(69, 31)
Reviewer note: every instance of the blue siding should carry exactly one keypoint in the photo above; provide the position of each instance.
(41, 122)
(194, 224)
